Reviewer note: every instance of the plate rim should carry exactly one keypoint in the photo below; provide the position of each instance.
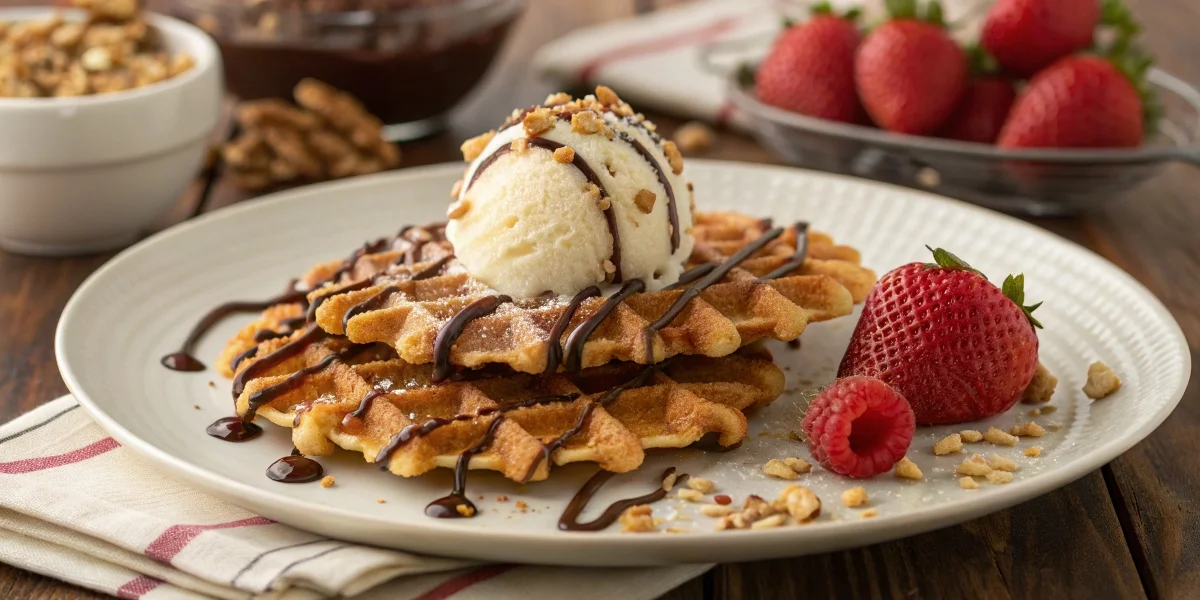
(883, 528)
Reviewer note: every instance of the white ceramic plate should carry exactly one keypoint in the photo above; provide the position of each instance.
(140, 305)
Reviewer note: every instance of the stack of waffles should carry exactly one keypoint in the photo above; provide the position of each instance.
(399, 354)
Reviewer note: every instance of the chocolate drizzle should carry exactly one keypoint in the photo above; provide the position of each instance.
(293, 381)
(233, 429)
(798, 257)
(242, 356)
(311, 315)
(353, 421)
(448, 506)
(270, 361)
(692, 274)
(579, 337)
(672, 209)
(182, 360)
(554, 352)
(453, 328)
(569, 519)
(295, 469)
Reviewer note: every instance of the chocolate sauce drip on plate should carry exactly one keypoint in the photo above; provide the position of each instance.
(453, 328)
(672, 209)
(569, 519)
(713, 276)
(554, 352)
(579, 337)
(293, 381)
(270, 361)
(798, 257)
(610, 215)
(447, 507)
(182, 360)
(295, 469)
(233, 429)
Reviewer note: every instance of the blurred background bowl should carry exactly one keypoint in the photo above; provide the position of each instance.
(409, 61)
(1038, 182)
(89, 173)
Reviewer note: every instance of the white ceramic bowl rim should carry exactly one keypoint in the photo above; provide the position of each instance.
(198, 43)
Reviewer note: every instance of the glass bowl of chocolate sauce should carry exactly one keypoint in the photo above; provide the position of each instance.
(409, 61)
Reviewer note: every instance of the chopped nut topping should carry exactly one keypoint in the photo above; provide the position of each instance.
(668, 482)
(1037, 412)
(521, 505)
(557, 99)
(700, 484)
(564, 155)
(519, 145)
(1041, 387)
(1028, 428)
(380, 501)
(995, 436)
(689, 495)
(715, 510)
(609, 267)
(769, 522)
(327, 481)
(694, 137)
(456, 190)
(799, 465)
(637, 519)
(1046, 410)
(538, 121)
(854, 497)
(644, 199)
(948, 445)
(968, 483)
(1101, 381)
(96, 58)
(732, 521)
(907, 469)
(1001, 463)
(1033, 451)
(800, 502)
(778, 469)
(465, 510)
(970, 436)
(587, 122)
(606, 96)
(975, 466)
(870, 513)
(472, 148)
(999, 477)
(458, 209)
(674, 158)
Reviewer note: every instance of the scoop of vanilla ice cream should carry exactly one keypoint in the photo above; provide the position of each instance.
(530, 220)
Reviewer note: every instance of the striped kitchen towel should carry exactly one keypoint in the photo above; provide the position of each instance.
(76, 506)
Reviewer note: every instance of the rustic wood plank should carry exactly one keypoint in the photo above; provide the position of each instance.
(15, 583)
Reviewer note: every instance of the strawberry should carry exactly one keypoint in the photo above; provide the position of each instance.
(1026, 36)
(810, 69)
(982, 111)
(1078, 102)
(954, 345)
(910, 74)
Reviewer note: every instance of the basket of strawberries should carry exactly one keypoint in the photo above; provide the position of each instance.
(1054, 109)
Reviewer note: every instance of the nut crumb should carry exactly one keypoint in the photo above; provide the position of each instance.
(557, 98)
(501, 498)
(799, 465)
(637, 519)
(674, 158)
(769, 522)
(196, 406)
(1000, 477)
(1028, 428)
(1037, 412)
(1101, 381)
(538, 121)
(472, 148)
(968, 483)
(1041, 387)
(854, 497)
(519, 145)
(694, 137)
(948, 445)
(212, 384)
(644, 200)
(999, 438)
(456, 189)
(565, 155)
(327, 481)
(521, 505)
(800, 502)
(700, 484)
(970, 436)
(458, 209)
(609, 268)
(975, 466)
(870, 513)
(587, 122)
(1001, 463)
(1033, 451)
(380, 501)
(606, 96)
(668, 482)
(1048, 410)
(677, 530)
(689, 495)
(779, 469)
(907, 469)
(715, 510)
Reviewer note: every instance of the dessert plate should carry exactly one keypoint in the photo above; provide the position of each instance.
(140, 305)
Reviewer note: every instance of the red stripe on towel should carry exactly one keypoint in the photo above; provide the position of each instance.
(461, 582)
(172, 541)
(31, 465)
(136, 587)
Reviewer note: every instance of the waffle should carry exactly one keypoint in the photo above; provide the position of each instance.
(672, 405)
(414, 290)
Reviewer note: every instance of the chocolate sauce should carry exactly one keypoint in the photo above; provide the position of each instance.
(353, 421)
(242, 356)
(672, 210)
(311, 315)
(554, 353)
(568, 521)
(713, 276)
(798, 257)
(610, 215)
(375, 302)
(182, 360)
(233, 429)
(432, 270)
(447, 507)
(293, 381)
(692, 274)
(453, 328)
(295, 469)
(270, 361)
(263, 335)
(579, 337)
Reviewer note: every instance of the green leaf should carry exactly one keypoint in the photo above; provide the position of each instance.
(745, 75)
(821, 8)
(1014, 289)
(933, 14)
(902, 9)
(982, 63)
(944, 259)
(853, 14)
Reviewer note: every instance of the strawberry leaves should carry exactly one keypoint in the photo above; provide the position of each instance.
(1014, 289)
(912, 9)
(944, 259)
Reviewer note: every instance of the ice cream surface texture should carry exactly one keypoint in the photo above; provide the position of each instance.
(571, 194)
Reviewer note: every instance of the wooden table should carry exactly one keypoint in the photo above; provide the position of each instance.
(1130, 529)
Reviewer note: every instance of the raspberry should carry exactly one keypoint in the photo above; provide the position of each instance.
(859, 427)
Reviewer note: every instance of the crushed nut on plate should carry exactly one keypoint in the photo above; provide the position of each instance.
(907, 469)
(689, 494)
(715, 510)
(1033, 451)
(854, 497)
(970, 436)
(799, 465)
(637, 519)
(1001, 463)
(975, 466)
(327, 481)
(1101, 381)
(1028, 428)
(999, 438)
(968, 483)
(778, 469)
(700, 484)
(948, 445)
(1041, 387)
(1000, 477)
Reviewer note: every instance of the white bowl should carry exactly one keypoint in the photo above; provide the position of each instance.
(90, 173)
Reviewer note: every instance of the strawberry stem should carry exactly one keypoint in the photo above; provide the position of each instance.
(944, 259)
(1120, 47)
(1014, 289)
(825, 8)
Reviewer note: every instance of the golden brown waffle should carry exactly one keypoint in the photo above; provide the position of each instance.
(408, 314)
(673, 406)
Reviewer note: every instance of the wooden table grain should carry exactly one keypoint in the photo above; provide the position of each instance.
(1128, 530)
